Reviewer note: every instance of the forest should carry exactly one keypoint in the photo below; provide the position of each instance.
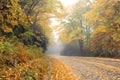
(94, 25)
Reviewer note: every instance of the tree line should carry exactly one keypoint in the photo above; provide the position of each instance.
(96, 26)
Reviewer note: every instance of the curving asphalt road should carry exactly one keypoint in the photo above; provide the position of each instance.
(91, 68)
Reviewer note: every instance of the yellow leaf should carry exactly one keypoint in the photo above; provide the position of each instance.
(7, 29)
(14, 22)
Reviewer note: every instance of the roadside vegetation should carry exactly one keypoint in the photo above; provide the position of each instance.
(24, 33)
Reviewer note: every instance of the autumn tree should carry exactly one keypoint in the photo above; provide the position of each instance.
(38, 15)
(75, 27)
(12, 17)
(104, 18)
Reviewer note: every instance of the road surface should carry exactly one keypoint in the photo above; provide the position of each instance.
(91, 68)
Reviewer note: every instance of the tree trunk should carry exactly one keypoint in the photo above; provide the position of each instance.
(81, 45)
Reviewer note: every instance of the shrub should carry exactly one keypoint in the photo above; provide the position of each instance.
(34, 51)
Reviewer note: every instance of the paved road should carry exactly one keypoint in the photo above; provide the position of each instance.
(90, 68)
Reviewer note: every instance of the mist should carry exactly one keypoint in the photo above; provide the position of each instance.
(56, 47)
(61, 48)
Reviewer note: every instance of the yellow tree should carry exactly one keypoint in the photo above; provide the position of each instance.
(75, 27)
(104, 17)
(11, 14)
(38, 14)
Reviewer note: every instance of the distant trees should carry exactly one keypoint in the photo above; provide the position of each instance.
(98, 24)
(75, 28)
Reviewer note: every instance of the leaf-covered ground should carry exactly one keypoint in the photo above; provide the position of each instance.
(60, 71)
(31, 70)
(37, 69)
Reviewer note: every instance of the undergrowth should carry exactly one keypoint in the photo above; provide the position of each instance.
(20, 62)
